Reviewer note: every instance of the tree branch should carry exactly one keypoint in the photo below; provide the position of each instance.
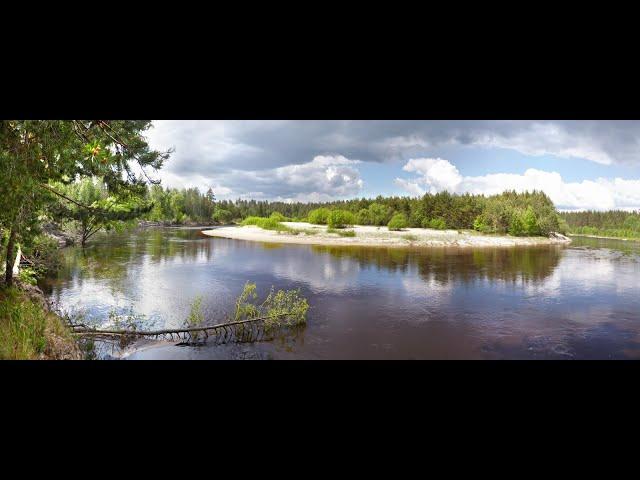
(154, 333)
(62, 195)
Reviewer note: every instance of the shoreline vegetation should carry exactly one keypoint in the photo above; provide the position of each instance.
(442, 219)
(612, 224)
(30, 330)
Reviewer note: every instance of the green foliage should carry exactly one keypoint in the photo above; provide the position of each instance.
(530, 222)
(281, 308)
(196, 317)
(36, 153)
(398, 222)
(223, 216)
(127, 321)
(266, 224)
(28, 275)
(492, 214)
(278, 217)
(516, 226)
(22, 327)
(44, 253)
(435, 223)
(319, 216)
(179, 206)
(519, 214)
(379, 214)
(340, 219)
(480, 225)
(613, 223)
(410, 237)
(95, 208)
(363, 217)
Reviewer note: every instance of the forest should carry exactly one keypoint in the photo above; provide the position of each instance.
(612, 223)
(529, 213)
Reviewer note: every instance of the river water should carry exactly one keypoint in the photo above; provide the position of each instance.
(555, 302)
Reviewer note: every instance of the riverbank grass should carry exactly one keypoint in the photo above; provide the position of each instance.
(29, 332)
(342, 233)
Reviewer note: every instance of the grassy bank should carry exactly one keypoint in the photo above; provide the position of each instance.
(29, 332)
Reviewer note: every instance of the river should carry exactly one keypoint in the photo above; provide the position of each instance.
(555, 302)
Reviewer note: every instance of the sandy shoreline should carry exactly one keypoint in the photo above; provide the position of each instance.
(604, 238)
(379, 237)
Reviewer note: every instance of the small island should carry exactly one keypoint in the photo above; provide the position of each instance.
(440, 220)
(367, 235)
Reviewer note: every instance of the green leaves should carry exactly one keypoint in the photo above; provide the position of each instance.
(398, 222)
(37, 153)
(281, 308)
(340, 219)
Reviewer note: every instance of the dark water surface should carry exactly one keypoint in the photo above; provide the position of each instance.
(576, 302)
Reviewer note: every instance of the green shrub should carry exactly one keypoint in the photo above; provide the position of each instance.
(266, 224)
(563, 228)
(28, 275)
(530, 222)
(435, 223)
(277, 216)
(379, 214)
(340, 219)
(516, 227)
(222, 216)
(252, 221)
(319, 216)
(45, 254)
(363, 217)
(480, 226)
(398, 222)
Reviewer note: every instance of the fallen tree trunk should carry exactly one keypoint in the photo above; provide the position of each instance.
(83, 330)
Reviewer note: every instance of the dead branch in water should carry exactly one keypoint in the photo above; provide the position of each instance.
(252, 322)
(227, 331)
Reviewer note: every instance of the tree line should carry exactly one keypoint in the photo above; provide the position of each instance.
(528, 213)
(612, 223)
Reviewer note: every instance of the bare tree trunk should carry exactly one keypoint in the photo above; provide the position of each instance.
(8, 274)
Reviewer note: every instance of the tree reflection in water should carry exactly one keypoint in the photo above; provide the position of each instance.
(532, 264)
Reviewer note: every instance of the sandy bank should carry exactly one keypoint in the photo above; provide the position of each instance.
(379, 236)
(604, 238)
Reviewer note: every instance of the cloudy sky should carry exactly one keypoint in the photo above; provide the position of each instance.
(579, 164)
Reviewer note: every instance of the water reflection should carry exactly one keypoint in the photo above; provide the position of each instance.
(542, 302)
(532, 264)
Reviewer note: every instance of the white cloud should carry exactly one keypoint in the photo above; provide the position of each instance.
(412, 187)
(436, 174)
(324, 178)
(548, 139)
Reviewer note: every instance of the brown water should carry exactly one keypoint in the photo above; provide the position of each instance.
(553, 302)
